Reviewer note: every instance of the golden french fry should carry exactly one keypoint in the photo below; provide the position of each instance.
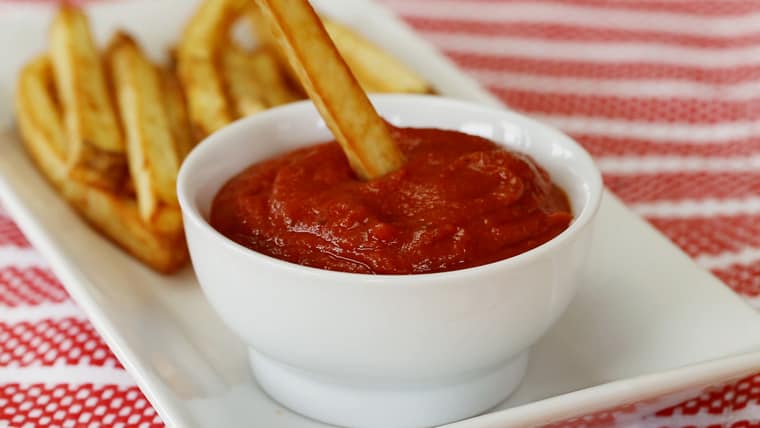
(254, 80)
(168, 222)
(276, 89)
(364, 136)
(39, 119)
(202, 39)
(265, 36)
(176, 112)
(161, 246)
(261, 27)
(243, 85)
(151, 151)
(33, 98)
(118, 218)
(376, 70)
(95, 146)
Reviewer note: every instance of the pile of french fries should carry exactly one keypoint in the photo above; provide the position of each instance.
(109, 128)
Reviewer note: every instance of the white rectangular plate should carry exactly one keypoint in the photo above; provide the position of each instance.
(646, 322)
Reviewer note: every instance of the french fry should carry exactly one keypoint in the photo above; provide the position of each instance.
(33, 96)
(260, 25)
(176, 112)
(151, 150)
(375, 69)
(254, 80)
(266, 38)
(162, 246)
(95, 146)
(243, 85)
(39, 120)
(364, 136)
(197, 65)
(277, 89)
(163, 249)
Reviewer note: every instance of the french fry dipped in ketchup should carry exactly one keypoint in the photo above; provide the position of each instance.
(455, 200)
(363, 135)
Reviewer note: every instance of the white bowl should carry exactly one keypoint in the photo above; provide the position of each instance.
(387, 350)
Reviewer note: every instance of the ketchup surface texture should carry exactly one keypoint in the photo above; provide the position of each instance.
(459, 201)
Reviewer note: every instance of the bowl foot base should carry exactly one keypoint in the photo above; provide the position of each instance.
(340, 402)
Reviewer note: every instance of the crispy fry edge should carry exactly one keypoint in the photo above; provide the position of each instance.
(151, 150)
(95, 146)
(198, 65)
(163, 248)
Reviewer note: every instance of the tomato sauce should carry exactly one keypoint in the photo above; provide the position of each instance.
(459, 201)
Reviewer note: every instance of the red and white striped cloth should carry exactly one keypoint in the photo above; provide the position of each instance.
(664, 94)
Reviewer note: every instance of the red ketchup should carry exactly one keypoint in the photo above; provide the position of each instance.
(459, 201)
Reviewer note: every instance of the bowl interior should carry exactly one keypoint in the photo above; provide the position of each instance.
(230, 150)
